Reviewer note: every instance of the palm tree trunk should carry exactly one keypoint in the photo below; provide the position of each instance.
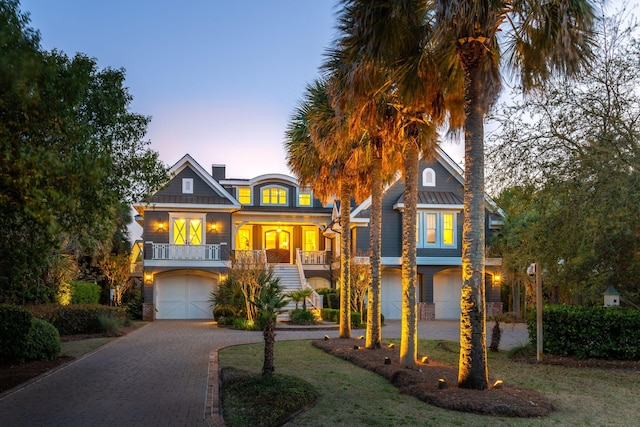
(409, 327)
(345, 259)
(374, 329)
(472, 367)
(269, 343)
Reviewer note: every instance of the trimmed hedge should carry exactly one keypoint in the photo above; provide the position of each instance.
(331, 297)
(333, 315)
(589, 332)
(85, 293)
(15, 323)
(43, 341)
(76, 319)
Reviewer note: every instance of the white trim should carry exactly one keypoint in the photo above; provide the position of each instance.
(428, 173)
(424, 260)
(189, 207)
(186, 264)
(458, 208)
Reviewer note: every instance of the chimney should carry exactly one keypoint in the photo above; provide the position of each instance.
(218, 172)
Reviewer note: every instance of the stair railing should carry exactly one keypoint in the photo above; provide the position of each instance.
(315, 300)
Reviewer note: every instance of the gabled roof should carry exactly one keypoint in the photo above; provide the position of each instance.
(455, 170)
(228, 201)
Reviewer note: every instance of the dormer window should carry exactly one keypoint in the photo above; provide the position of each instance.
(244, 195)
(304, 198)
(428, 178)
(274, 196)
(187, 185)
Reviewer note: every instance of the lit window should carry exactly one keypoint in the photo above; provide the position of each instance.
(304, 198)
(244, 195)
(244, 239)
(274, 196)
(436, 229)
(310, 240)
(187, 185)
(187, 231)
(447, 229)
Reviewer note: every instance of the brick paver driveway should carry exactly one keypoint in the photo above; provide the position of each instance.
(157, 376)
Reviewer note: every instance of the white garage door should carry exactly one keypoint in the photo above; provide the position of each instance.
(183, 297)
(391, 294)
(446, 294)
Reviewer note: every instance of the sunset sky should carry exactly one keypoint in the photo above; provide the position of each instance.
(220, 79)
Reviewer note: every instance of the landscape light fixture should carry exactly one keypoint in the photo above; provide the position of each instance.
(498, 384)
(392, 345)
(425, 359)
(442, 384)
(387, 361)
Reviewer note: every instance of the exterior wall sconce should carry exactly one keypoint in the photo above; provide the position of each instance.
(161, 226)
(148, 278)
(496, 278)
(214, 226)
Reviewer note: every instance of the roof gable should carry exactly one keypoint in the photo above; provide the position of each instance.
(206, 190)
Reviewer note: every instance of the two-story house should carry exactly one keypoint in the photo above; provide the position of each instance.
(199, 221)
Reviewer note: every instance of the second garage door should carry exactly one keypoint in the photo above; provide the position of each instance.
(184, 297)
(446, 294)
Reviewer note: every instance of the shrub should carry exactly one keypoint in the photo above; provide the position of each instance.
(330, 314)
(109, 323)
(241, 323)
(302, 317)
(331, 297)
(43, 341)
(15, 323)
(223, 310)
(589, 332)
(75, 319)
(132, 304)
(85, 293)
(356, 319)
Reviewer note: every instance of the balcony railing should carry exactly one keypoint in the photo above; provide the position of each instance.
(313, 257)
(167, 251)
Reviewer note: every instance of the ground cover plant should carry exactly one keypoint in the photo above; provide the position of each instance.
(582, 392)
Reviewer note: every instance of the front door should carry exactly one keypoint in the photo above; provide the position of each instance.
(277, 244)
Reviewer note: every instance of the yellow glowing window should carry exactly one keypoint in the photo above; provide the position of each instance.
(187, 231)
(244, 239)
(310, 240)
(304, 199)
(447, 229)
(274, 196)
(244, 195)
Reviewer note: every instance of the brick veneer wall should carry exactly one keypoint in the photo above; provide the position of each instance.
(148, 312)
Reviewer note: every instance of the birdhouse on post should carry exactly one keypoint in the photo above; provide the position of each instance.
(611, 297)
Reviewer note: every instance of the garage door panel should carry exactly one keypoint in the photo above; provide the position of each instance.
(184, 297)
(446, 294)
(391, 295)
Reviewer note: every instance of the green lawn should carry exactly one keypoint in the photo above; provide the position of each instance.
(350, 396)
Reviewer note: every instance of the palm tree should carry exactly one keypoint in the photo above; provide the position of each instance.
(541, 38)
(385, 74)
(313, 142)
(269, 303)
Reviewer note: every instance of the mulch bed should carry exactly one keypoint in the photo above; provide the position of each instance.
(423, 383)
